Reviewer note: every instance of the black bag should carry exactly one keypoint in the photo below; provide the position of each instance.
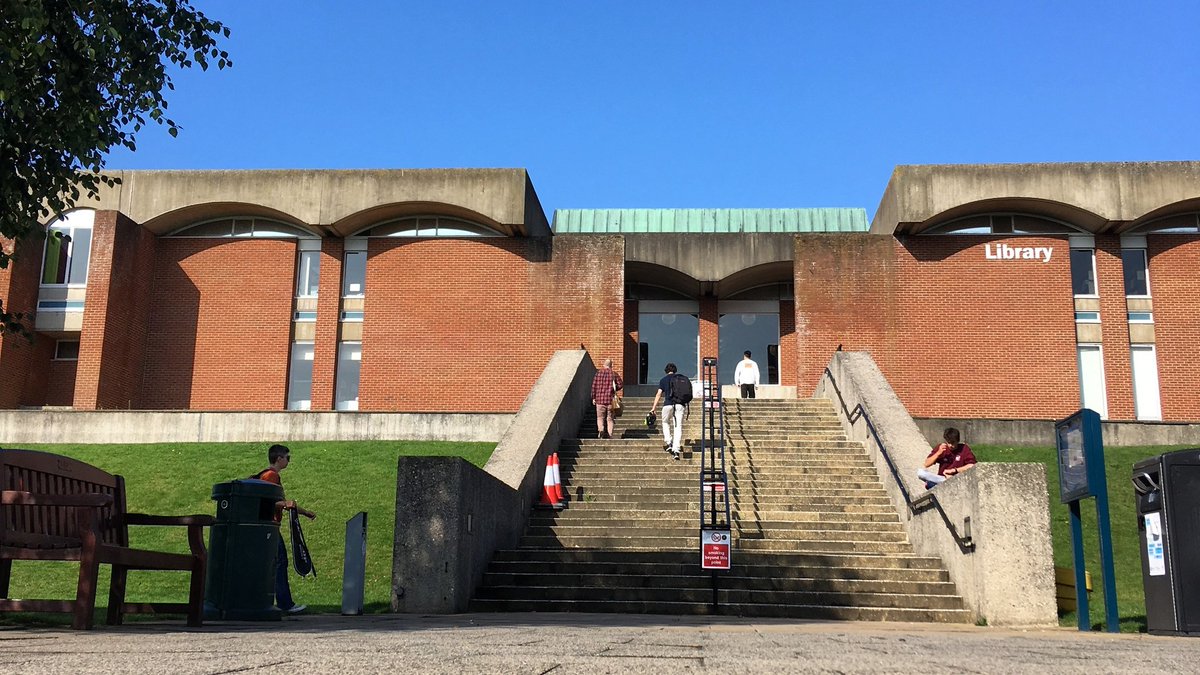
(301, 559)
(681, 389)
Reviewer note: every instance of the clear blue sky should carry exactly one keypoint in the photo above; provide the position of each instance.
(688, 104)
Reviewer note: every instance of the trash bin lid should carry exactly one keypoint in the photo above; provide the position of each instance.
(250, 488)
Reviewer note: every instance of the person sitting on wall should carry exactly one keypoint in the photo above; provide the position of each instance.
(951, 457)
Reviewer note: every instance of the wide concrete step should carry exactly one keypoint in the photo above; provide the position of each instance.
(731, 594)
(874, 578)
(691, 557)
(614, 511)
(750, 527)
(744, 522)
(815, 612)
(738, 578)
(775, 545)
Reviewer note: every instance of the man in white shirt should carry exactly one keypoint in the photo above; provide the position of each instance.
(746, 375)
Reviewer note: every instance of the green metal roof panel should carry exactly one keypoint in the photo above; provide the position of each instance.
(680, 221)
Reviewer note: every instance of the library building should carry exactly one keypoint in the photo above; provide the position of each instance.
(1017, 291)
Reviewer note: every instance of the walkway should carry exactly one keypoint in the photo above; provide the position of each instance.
(583, 643)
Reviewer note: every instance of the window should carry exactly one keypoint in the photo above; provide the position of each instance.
(1092, 392)
(349, 369)
(1133, 261)
(1083, 271)
(241, 228)
(429, 226)
(66, 350)
(308, 274)
(1146, 403)
(1087, 317)
(354, 274)
(300, 373)
(1140, 317)
(68, 247)
(1002, 223)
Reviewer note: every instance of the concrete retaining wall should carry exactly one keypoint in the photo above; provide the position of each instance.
(87, 426)
(1007, 577)
(452, 517)
(1040, 433)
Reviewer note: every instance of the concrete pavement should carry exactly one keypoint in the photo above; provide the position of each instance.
(583, 643)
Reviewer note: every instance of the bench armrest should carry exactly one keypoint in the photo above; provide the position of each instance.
(144, 519)
(22, 498)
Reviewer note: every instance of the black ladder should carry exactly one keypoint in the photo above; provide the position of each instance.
(715, 533)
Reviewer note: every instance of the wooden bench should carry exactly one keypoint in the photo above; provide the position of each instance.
(57, 508)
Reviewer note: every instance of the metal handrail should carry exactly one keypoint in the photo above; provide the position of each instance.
(922, 503)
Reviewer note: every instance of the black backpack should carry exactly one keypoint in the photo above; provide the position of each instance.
(681, 390)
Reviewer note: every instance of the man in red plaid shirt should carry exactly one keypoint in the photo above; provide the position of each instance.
(604, 385)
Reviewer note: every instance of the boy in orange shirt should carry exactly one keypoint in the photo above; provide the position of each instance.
(279, 457)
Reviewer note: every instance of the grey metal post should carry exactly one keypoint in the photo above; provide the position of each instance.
(354, 569)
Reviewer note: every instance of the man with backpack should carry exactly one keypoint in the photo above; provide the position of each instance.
(675, 391)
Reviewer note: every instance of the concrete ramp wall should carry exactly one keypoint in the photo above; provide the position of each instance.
(990, 526)
(452, 517)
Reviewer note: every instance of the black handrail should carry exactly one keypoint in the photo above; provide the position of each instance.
(926, 501)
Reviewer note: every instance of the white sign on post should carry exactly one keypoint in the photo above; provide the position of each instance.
(1154, 544)
(714, 549)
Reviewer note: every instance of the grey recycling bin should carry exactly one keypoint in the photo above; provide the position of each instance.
(243, 544)
(1168, 507)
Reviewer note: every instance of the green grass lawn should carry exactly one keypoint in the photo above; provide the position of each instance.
(1123, 520)
(334, 479)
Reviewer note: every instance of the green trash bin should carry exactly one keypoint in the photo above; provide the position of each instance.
(243, 544)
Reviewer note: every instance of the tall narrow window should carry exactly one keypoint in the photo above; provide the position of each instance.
(66, 260)
(1137, 281)
(1092, 392)
(1083, 271)
(300, 374)
(308, 274)
(349, 369)
(1146, 402)
(354, 276)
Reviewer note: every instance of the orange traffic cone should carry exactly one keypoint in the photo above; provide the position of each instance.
(549, 498)
(558, 488)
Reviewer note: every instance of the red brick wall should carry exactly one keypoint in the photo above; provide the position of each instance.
(112, 342)
(20, 360)
(220, 325)
(630, 371)
(956, 335)
(469, 324)
(325, 346)
(787, 348)
(1175, 287)
(1114, 324)
(59, 389)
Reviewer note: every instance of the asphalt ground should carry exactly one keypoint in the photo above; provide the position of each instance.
(584, 643)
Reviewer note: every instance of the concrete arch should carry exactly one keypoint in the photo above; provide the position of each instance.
(780, 272)
(361, 220)
(1043, 208)
(177, 219)
(1179, 208)
(659, 276)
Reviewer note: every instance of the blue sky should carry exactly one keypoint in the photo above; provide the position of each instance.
(687, 104)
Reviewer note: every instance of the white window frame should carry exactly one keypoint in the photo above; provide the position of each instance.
(1095, 276)
(69, 223)
(347, 404)
(1145, 266)
(58, 350)
(294, 402)
(1147, 398)
(308, 268)
(354, 246)
(1100, 387)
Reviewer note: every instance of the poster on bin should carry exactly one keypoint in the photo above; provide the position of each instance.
(714, 549)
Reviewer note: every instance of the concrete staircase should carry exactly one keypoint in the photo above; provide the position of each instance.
(815, 535)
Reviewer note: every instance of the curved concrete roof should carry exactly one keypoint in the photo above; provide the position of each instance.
(1100, 197)
(328, 202)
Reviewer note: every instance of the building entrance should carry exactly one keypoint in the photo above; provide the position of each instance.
(668, 337)
(750, 330)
